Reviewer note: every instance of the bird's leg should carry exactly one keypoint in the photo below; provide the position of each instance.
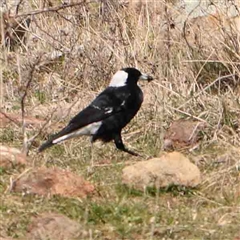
(119, 144)
(90, 168)
(92, 153)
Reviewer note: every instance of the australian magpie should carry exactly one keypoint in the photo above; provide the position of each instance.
(109, 113)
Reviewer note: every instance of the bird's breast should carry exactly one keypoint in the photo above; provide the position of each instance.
(140, 96)
(137, 97)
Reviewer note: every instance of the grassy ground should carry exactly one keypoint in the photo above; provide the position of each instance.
(96, 40)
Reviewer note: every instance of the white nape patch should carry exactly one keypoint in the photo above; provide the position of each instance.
(119, 79)
(90, 129)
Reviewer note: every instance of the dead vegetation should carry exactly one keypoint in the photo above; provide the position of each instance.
(68, 55)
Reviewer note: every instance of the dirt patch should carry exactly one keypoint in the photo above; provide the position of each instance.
(53, 181)
(7, 118)
(54, 226)
(31, 123)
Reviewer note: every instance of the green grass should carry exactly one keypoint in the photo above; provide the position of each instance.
(116, 211)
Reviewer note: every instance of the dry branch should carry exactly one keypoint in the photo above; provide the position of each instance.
(27, 87)
(53, 9)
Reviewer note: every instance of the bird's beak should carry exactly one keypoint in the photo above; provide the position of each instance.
(146, 77)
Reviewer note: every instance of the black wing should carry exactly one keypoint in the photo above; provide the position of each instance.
(109, 102)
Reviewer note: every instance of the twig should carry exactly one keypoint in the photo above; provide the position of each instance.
(189, 114)
(1, 88)
(166, 88)
(168, 36)
(8, 117)
(209, 61)
(185, 26)
(30, 78)
(18, 6)
(12, 182)
(53, 9)
(207, 87)
(30, 140)
(55, 39)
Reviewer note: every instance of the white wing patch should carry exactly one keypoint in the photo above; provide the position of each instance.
(108, 110)
(90, 129)
(119, 79)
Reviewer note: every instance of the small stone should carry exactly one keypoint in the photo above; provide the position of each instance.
(54, 226)
(10, 157)
(183, 133)
(53, 181)
(169, 169)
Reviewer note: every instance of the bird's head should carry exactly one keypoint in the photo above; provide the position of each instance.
(128, 76)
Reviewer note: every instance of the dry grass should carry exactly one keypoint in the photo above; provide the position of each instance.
(78, 49)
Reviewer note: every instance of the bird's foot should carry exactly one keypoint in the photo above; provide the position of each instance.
(141, 155)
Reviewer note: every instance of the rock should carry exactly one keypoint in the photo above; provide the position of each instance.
(170, 169)
(183, 133)
(54, 226)
(53, 181)
(10, 157)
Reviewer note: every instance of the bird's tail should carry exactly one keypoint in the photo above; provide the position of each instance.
(63, 135)
(46, 145)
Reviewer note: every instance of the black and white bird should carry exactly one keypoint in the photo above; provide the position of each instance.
(109, 113)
